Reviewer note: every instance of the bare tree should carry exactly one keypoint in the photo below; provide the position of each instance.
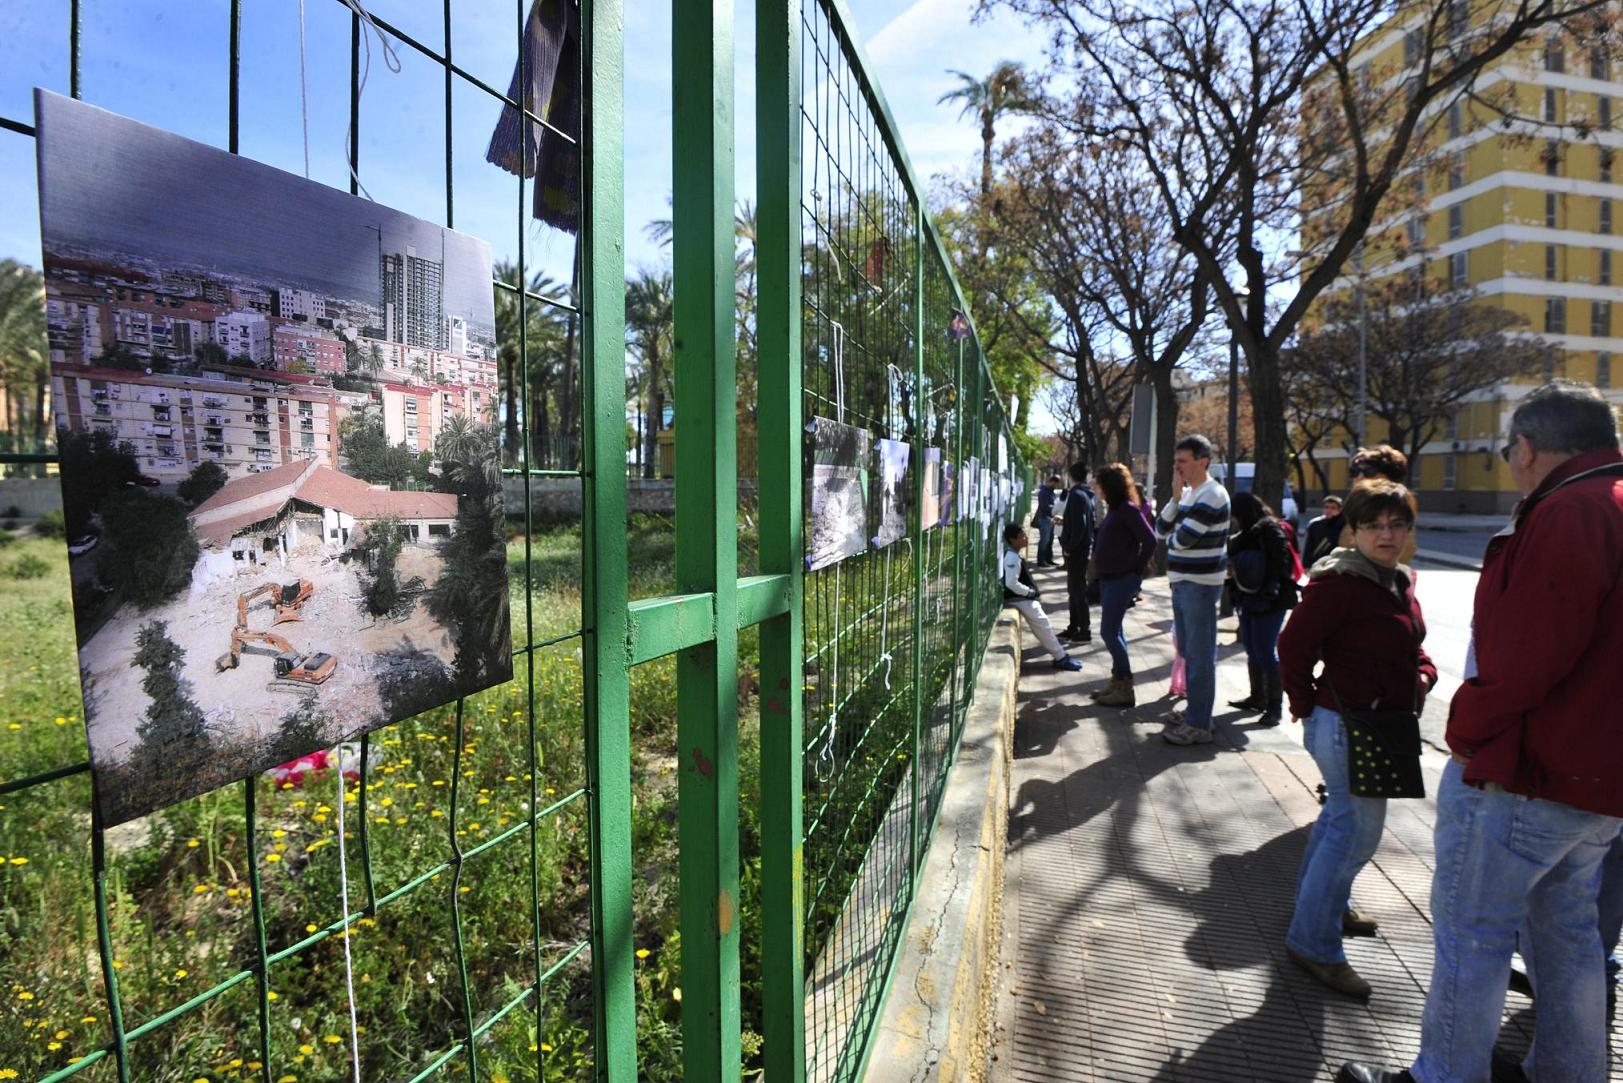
(1242, 112)
(1099, 233)
(1428, 351)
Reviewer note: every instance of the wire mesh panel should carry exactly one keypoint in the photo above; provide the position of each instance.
(208, 940)
(887, 351)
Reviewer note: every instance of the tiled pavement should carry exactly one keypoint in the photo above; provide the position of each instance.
(1148, 889)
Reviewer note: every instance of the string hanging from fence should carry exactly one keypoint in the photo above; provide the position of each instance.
(391, 60)
(343, 899)
(825, 757)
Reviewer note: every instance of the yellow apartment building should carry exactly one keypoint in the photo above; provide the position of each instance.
(1530, 215)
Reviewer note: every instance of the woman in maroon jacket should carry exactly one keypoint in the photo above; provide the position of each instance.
(1360, 618)
(1123, 545)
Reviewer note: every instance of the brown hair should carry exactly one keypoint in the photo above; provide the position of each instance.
(1369, 500)
(1381, 461)
(1116, 483)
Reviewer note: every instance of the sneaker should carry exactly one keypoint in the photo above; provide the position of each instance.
(1186, 735)
(1068, 663)
(1081, 637)
(1172, 719)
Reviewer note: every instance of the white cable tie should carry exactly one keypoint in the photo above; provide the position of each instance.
(391, 60)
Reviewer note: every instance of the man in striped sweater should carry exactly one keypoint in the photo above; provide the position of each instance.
(1196, 527)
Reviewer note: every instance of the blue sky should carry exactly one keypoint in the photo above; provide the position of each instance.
(166, 64)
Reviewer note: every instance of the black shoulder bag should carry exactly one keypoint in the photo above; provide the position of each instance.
(1383, 748)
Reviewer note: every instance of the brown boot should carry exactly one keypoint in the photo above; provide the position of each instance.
(1338, 976)
(1119, 693)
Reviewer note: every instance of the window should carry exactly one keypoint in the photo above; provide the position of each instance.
(1416, 229)
(1459, 18)
(1456, 222)
(1456, 120)
(1549, 105)
(1603, 111)
(1606, 216)
(1606, 160)
(439, 530)
(1555, 57)
(1552, 158)
(1549, 210)
(1599, 66)
(1459, 270)
(1600, 319)
(1450, 471)
(1603, 370)
(1550, 272)
(1456, 173)
(1414, 45)
(1451, 426)
(1603, 274)
(1555, 315)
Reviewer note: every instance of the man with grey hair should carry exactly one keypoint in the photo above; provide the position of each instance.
(1532, 799)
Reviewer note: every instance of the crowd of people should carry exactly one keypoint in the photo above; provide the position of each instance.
(1529, 828)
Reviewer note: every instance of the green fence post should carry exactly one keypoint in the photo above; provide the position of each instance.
(607, 679)
(778, 316)
(706, 532)
(915, 836)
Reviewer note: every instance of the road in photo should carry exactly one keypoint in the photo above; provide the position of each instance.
(895, 491)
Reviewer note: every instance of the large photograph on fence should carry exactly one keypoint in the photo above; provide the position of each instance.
(279, 459)
(839, 498)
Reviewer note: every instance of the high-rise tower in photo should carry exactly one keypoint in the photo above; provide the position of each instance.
(413, 299)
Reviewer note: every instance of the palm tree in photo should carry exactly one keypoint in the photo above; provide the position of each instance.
(1004, 91)
(24, 354)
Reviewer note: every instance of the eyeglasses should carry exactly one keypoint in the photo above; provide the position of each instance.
(1504, 452)
(1364, 470)
(1396, 527)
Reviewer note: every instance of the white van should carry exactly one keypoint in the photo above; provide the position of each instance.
(1245, 474)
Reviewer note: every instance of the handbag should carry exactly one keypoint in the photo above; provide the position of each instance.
(1383, 750)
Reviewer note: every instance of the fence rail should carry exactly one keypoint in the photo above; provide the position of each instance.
(867, 666)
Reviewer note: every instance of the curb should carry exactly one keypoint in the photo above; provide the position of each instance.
(1448, 560)
(935, 1024)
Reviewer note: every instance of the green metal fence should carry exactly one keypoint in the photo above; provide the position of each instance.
(867, 667)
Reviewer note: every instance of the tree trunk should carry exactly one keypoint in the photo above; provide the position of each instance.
(1166, 431)
(510, 425)
(656, 416)
(987, 137)
(568, 415)
(1268, 420)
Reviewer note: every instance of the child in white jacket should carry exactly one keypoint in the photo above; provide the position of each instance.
(1020, 592)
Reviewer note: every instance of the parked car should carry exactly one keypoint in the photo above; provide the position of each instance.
(1245, 474)
(82, 544)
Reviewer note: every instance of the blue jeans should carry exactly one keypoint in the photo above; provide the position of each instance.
(1045, 540)
(1343, 839)
(1116, 593)
(1609, 907)
(1194, 618)
(1502, 861)
(1259, 632)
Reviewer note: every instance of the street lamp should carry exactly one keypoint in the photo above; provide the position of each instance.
(1363, 363)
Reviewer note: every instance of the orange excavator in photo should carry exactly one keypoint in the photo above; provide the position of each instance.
(288, 598)
(291, 664)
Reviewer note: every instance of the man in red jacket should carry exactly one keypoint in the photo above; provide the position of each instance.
(1533, 797)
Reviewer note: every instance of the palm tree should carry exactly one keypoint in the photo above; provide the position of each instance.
(1003, 91)
(650, 329)
(24, 354)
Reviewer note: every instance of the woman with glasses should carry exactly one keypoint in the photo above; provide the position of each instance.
(1265, 590)
(1359, 617)
(1369, 464)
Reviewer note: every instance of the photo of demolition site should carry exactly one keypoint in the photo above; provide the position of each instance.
(279, 457)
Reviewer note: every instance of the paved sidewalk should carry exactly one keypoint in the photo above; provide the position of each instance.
(1148, 889)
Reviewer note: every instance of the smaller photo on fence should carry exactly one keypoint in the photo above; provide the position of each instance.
(930, 511)
(840, 457)
(277, 410)
(895, 491)
(968, 490)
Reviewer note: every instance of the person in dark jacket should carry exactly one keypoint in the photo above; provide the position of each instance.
(1323, 532)
(1076, 542)
(1359, 617)
(1124, 545)
(1532, 798)
(1265, 590)
(1044, 519)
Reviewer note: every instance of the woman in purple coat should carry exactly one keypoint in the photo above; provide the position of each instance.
(1124, 544)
